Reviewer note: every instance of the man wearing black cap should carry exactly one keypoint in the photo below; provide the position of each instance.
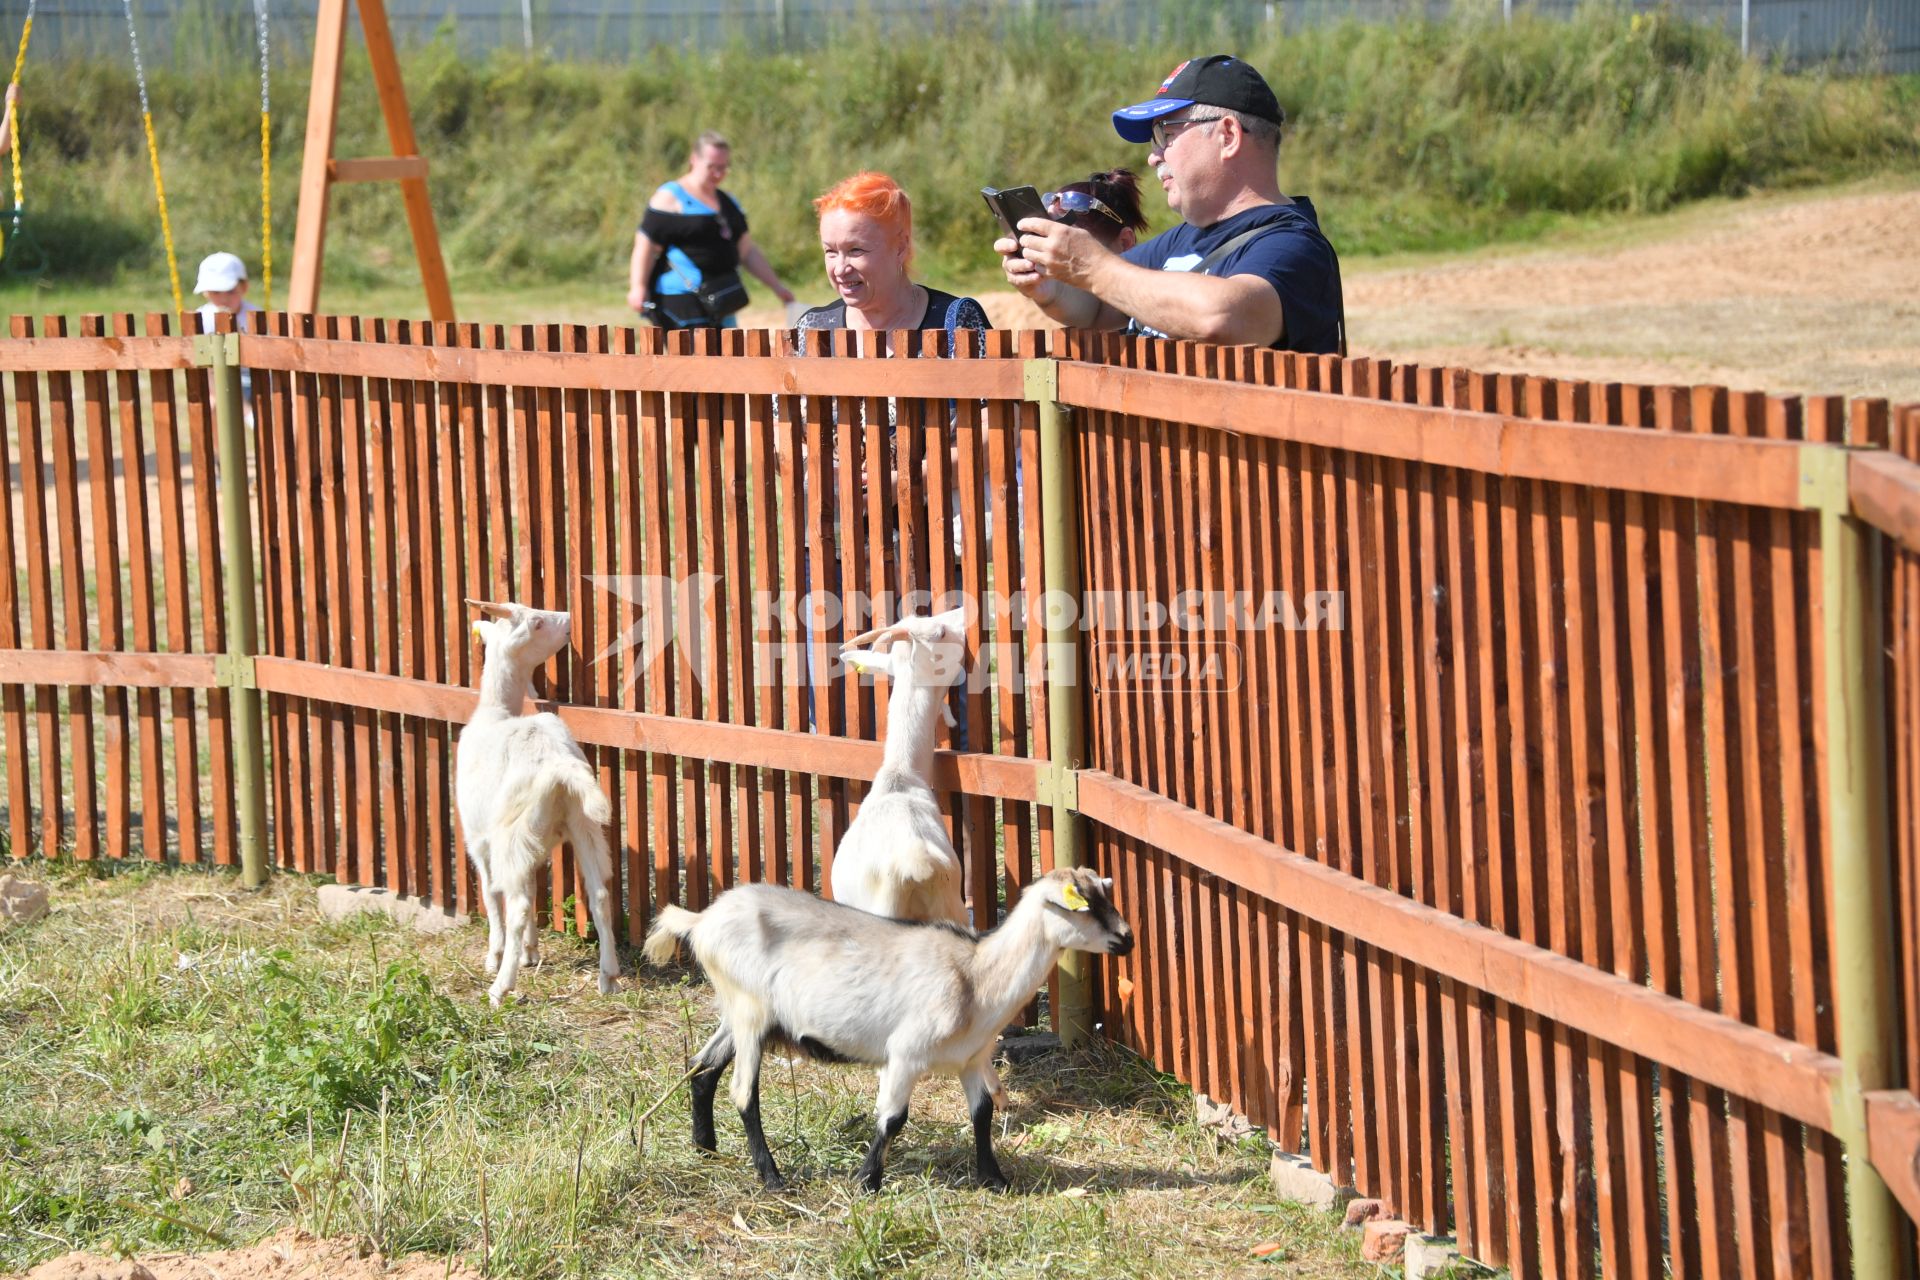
(1248, 264)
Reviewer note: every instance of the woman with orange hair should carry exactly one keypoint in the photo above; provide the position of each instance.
(866, 236)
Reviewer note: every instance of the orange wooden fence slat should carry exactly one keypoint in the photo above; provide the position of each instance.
(764, 501)
(602, 436)
(170, 465)
(574, 558)
(213, 608)
(13, 702)
(74, 632)
(109, 599)
(710, 503)
(789, 481)
(334, 787)
(273, 399)
(737, 607)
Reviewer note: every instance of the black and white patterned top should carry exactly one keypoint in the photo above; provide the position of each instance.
(944, 311)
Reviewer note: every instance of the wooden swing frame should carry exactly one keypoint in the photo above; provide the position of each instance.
(320, 168)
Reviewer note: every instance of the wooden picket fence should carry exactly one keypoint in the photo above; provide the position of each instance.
(1512, 781)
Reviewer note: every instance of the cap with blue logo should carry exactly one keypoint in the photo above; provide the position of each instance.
(1213, 81)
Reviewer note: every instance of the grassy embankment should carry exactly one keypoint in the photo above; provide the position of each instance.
(1415, 137)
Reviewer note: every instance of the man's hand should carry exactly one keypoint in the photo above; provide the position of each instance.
(1061, 252)
(1056, 261)
(1022, 274)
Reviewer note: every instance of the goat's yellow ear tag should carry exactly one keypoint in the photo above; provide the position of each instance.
(1070, 894)
(478, 634)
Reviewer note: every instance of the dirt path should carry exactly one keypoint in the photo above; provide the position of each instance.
(1803, 293)
(291, 1255)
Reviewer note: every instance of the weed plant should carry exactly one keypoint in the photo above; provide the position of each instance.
(1413, 135)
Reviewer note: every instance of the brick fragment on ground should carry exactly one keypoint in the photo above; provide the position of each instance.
(1385, 1240)
(1361, 1212)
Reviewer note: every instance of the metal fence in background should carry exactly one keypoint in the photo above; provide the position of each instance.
(1853, 33)
(613, 30)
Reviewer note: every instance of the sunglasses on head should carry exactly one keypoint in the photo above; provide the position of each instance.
(1069, 202)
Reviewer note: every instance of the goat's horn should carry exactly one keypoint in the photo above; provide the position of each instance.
(891, 631)
(491, 610)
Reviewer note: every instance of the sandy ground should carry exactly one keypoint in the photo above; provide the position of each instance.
(291, 1255)
(1800, 293)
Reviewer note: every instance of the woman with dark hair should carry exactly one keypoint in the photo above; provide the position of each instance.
(1106, 206)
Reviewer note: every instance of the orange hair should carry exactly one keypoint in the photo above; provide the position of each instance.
(877, 196)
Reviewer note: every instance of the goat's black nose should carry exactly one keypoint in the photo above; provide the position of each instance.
(1121, 944)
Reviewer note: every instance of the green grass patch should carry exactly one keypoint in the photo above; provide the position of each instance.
(181, 1062)
(1412, 136)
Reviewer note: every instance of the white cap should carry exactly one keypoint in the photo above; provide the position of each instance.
(220, 272)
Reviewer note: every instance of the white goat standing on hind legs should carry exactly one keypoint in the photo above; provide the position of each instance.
(523, 785)
(896, 858)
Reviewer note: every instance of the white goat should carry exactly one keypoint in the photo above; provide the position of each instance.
(841, 985)
(895, 858)
(523, 785)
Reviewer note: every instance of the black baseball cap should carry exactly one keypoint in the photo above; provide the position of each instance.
(1213, 81)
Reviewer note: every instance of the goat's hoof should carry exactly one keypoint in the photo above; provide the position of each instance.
(995, 1181)
(774, 1183)
(493, 965)
(609, 984)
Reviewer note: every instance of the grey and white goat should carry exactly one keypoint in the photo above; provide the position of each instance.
(842, 985)
(523, 785)
(895, 858)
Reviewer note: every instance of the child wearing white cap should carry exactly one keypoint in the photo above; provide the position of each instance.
(223, 282)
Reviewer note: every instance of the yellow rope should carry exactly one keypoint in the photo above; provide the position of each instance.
(153, 154)
(19, 64)
(266, 210)
(166, 224)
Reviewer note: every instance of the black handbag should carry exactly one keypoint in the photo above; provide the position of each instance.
(710, 302)
(723, 295)
(677, 311)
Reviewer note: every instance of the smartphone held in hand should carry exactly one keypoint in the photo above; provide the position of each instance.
(1012, 204)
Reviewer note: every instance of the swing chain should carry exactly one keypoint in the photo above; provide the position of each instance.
(153, 156)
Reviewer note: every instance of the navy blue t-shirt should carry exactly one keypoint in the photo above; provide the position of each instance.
(1294, 257)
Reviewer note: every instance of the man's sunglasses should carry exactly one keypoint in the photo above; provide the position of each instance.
(1165, 130)
(1069, 202)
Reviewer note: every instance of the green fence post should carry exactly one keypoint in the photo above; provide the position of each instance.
(1066, 742)
(1863, 973)
(221, 353)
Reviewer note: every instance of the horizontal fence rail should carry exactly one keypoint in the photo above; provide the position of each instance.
(1464, 748)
